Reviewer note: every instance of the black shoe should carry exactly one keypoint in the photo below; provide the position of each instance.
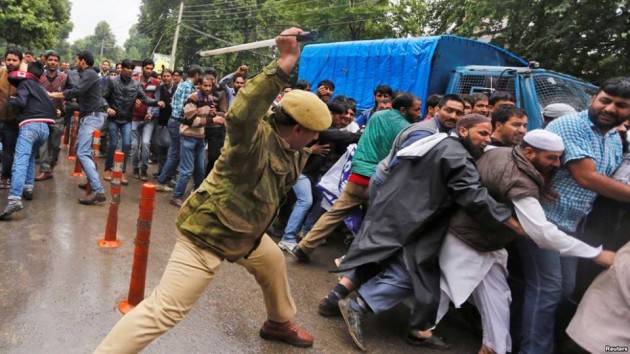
(300, 255)
(144, 176)
(13, 207)
(433, 342)
(329, 306)
(93, 199)
(27, 194)
(353, 319)
(136, 173)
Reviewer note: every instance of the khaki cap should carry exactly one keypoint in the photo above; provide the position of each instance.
(307, 109)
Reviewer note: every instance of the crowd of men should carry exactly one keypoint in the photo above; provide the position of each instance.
(446, 199)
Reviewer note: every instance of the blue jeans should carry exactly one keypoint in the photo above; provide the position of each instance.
(549, 278)
(88, 125)
(172, 157)
(113, 128)
(30, 138)
(302, 190)
(141, 132)
(192, 163)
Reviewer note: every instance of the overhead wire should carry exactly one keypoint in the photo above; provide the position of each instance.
(227, 18)
(218, 39)
(252, 7)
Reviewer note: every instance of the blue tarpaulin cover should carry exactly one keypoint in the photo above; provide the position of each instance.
(419, 65)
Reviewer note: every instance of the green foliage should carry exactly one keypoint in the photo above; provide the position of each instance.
(104, 39)
(138, 45)
(34, 23)
(589, 39)
(242, 21)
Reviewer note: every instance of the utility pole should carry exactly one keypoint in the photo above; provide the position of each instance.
(176, 37)
(102, 45)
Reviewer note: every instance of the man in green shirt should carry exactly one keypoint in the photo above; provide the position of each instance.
(226, 217)
(374, 145)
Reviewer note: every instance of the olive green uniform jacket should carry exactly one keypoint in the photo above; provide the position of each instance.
(230, 211)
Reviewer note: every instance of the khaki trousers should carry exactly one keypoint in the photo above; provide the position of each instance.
(187, 274)
(353, 195)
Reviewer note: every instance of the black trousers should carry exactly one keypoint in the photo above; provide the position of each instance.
(215, 136)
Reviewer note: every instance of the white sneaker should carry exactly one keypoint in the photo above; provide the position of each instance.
(287, 245)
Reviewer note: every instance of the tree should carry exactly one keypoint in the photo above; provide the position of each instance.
(102, 41)
(589, 39)
(206, 25)
(34, 23)
(138, 45)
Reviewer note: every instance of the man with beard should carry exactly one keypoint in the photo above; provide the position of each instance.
(509, 126)
(593, 153)
(8, 124)
(232, 83)
(473, 258)
(394, 256)
(53, 81)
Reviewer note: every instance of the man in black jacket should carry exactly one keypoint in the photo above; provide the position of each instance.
(402, 232)
(88, 94)
(36, 112)
(164, 93)
(121, 93)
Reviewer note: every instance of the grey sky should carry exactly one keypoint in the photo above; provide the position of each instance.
(120, 14)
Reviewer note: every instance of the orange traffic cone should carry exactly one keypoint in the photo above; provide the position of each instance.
(141, 251)
(96, 143)
(74, 131)
(110, 239)
(77, 172)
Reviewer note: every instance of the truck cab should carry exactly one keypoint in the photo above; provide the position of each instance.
(533, 89)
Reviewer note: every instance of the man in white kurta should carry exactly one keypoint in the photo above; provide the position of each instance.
(474, 262)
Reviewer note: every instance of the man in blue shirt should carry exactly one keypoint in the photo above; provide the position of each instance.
(183, 91)
(381, 92)
(593, 152)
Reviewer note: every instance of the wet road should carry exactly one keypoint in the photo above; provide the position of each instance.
(58, 290)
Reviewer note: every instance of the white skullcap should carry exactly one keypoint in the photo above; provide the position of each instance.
(544, 140)
(556, 110)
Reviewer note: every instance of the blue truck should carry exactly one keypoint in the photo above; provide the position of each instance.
(439, 64)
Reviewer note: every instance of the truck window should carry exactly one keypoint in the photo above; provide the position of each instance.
(554, 89)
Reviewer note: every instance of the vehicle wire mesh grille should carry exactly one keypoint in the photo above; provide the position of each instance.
(470, 83)
(553, 89)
